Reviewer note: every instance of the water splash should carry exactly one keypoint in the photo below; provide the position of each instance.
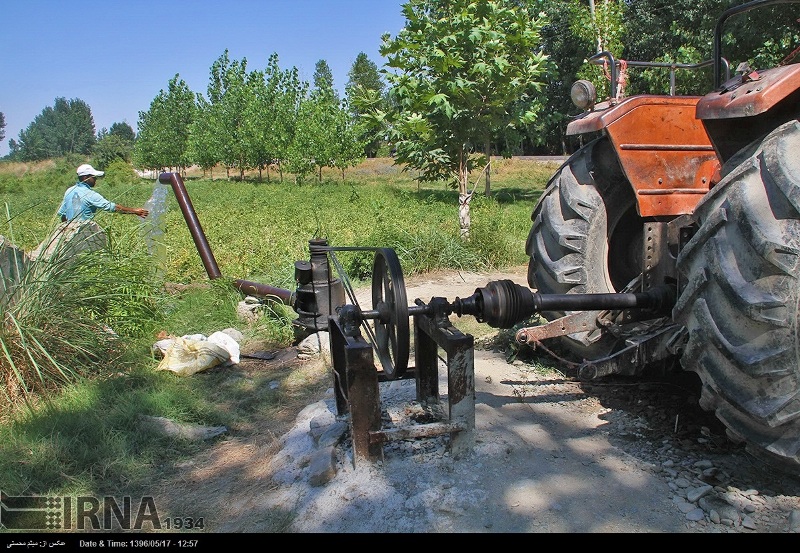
(155, 223)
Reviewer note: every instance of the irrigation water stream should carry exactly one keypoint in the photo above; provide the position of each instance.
(155, 221)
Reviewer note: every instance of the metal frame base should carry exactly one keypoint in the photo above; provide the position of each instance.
(356, 384)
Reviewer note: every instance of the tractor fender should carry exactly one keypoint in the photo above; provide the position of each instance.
(663, 149)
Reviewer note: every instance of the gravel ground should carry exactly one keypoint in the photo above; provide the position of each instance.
(551, 454)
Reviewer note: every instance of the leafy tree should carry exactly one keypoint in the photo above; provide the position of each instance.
(323, 78)
(2, 126)
(13, 149)
(324, 133)
(573, 31)
(65, 128)
(299, 159)
(364, 79)
(669, 31)
(271, 115)
(148, 152)
(315, 133)
(123, 130)
(364, 73)
(347, 143)
(205, 147)
(682, 31)
(679, 31)
(230, 92)
(113, 145)
(465, 70)
(249, 118)
(292, 92)
(111, 148)
(164, 129)
(763, 38)
(599, 24)
(260, 115)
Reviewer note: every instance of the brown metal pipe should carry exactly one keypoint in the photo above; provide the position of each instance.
(200, 242)
(255, 289)
(190, 216)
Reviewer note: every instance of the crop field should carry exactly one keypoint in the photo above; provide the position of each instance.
(256, 229)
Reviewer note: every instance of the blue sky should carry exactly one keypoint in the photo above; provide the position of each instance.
(116, 55)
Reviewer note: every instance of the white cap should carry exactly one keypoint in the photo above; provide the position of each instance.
(87, 170)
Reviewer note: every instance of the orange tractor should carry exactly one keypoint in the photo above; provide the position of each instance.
(698, 198)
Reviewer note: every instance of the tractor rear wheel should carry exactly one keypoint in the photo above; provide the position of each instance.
(740, 302)
(586, 238)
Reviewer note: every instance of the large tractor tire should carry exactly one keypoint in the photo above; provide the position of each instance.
(586, 237)
(741, 297)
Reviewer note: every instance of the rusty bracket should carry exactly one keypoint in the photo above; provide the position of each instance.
(569, 324)
(356, 385)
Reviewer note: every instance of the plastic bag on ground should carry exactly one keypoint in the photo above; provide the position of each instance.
(226, 342)
(186, 357)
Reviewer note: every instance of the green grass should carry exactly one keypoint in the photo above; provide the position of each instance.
(81, 435)
(257, 230)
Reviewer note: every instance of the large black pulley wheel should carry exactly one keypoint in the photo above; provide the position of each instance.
(586, 238)
(391, 328)
(740, 302)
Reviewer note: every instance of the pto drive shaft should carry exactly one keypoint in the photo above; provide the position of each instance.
(503, 303)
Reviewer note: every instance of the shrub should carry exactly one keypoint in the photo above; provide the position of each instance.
(70, 312)
(120, 172)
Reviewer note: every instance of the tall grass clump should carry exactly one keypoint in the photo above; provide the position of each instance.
(72, 307)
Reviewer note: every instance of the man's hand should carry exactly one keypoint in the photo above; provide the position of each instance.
(140, 211)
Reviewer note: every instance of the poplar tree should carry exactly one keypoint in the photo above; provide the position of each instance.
(364, 79)
(163, 139)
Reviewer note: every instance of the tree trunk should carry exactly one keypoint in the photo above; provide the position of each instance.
(593, 14)
(488, 176)
(464, 197)
(464, 221)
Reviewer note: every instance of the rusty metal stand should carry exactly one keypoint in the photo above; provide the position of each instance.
(356, 382)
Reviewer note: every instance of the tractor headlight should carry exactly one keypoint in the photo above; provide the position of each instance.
(583, 94)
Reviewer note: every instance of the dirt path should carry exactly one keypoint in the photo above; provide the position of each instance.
(550, 455)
